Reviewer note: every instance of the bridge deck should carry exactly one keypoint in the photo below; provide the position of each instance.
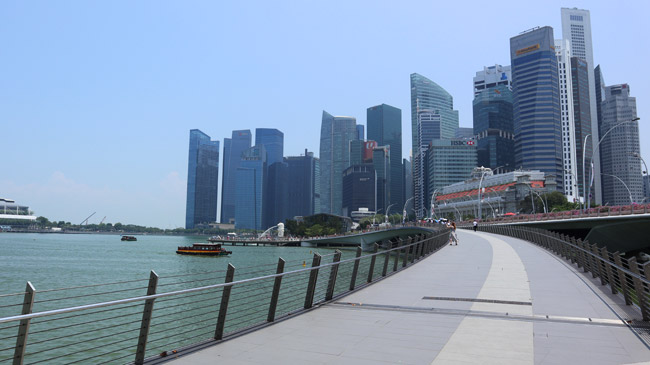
(491, 299)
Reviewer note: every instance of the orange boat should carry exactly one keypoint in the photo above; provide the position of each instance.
(203, 249)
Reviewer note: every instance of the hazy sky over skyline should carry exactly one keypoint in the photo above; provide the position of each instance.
(97, 98)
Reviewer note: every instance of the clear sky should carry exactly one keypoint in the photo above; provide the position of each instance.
(97, 98)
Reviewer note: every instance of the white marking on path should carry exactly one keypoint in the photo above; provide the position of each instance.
(491, 341)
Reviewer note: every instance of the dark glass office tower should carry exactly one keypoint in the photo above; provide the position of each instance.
(276, 195)
(249, 191)
(493, 128)
(581, 116)
(273, 141)
(202, 180)
(303, 175)
(232, 151)
(358, 188)
(335, 136)
(360, 132)
(385, 126)
(382, 164)
(536, 103)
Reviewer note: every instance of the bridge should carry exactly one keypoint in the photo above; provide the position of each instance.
(509, 293)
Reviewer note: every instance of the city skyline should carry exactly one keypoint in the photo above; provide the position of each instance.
(96, 130)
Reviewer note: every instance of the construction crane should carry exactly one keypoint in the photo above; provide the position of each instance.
(102, 220)
(86, 220)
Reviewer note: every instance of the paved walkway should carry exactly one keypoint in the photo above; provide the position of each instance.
(532, 308)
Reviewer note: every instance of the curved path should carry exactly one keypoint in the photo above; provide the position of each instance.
(491, 300)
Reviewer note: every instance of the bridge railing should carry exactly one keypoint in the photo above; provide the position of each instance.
(625, 277)
(172, 315)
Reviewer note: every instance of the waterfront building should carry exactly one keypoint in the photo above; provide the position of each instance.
(249, 192)
(15, 212)
(492, 76)
(503, 193)
(232, 151)
(408, 180)
(582, 117)
(567, 117)
(361, 135)
(621, 170)
(432, 117)
(202, 180)
(464, 132)
(576, 28)
(385, 127)
(336, 134)
(303, 181)
(448, 162)
(383, 175)
(358, 189)
(361, 151)
(273, 142)
(536, 103)
(494, 127)
(276, 195)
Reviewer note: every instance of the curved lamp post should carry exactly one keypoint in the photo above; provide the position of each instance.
(404, 210)
(388, 210)
(433, 197)
(636, 154)
(591, 173)
(480, 215)
(624, 184)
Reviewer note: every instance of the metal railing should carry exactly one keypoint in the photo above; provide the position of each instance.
(625, 277)
(87, 328)
(603, 211)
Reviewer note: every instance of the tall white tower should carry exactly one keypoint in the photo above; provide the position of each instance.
(569, 157)
(576, 28)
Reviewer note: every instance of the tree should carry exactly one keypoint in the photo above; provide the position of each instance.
(43, 222)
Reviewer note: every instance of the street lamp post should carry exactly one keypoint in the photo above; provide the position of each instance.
(596, 149)
(404, 210)
(636, 154)
(624, 184)
(480, 215)
(432, 197)
(388, 210)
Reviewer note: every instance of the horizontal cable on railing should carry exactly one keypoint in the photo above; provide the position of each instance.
(40, 320)
(170, 344)
(40, 351)
(92, 285)
(12, 294)
(189, 282)
(164, 300)
(79, 333)
(11, 305)
(213, 300)
(78, 352)
(85, 323)
(111, 360)
(204, 319)
(87, 295)
(159, 316)
(181, 333)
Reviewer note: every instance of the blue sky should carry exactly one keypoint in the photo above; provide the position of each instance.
(97, 98)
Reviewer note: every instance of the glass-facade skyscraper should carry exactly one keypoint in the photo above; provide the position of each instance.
(385, 126)
(581, 116)
(202, 180)
(448, 162)
(232, 151)
(536, 103)
(335, 136)
(494, 128)
(432, 104)
(303, 185)
(273, 141)
(249, 191)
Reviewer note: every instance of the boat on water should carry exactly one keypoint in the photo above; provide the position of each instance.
(129, 238)
(203, 249)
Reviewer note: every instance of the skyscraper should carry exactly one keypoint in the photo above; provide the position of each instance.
(569, 150)
(582, 116)
(273, 141)
(276, 196)
(202, 179)
(576, 28)
(432, 117)
(249, 191)
(449, 162)
(303, 182)
(492, 76)
(232, 150)
(385, 126)
(335, 136)
(382, 165)
(494, 128)
(361, 135)
(621, 169)
(536, 106)
(358, 188)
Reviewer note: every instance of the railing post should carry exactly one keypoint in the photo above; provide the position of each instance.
(406, 252)
(579, 256)
(276, 290)
(333, 275)
(401, 243)
(372, 262)
(599, 263)
(384, 271)
(608, 268)
(311, 286)
(638, 287)
(355, 269)
(23, 328)
(223, 307)
(146, 319)
(414, 247)
(621, 278)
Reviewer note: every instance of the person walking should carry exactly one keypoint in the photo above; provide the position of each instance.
(475, 225)
(453, 238)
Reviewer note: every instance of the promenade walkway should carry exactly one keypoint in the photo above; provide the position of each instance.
(491, 300)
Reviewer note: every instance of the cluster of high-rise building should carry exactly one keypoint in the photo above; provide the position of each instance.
(549, 111)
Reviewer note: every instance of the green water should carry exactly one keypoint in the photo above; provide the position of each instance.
(83, 261)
